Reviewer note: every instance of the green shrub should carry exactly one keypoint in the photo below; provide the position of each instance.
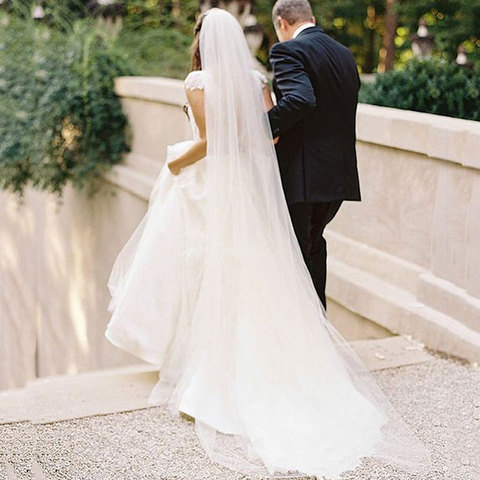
(432, 85)
(60, 120)
(162, 52)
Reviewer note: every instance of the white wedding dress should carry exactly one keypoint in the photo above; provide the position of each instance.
(212, 288)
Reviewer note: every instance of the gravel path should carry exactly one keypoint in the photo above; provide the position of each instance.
(440, 398)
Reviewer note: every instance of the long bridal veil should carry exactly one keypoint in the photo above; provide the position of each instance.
(289, 390)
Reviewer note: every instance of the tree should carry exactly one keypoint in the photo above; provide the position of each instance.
(453, 22)
(378, 31)
(357, 24)
(387, 52)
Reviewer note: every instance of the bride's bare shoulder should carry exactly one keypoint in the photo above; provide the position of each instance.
(194, 80)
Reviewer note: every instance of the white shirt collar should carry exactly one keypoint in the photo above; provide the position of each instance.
(301, 28)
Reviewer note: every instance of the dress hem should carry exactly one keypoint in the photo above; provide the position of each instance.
(148, 356)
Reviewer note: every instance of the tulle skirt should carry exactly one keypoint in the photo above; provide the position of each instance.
(271, 394)
(156, 275)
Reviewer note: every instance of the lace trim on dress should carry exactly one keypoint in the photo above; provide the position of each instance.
(194, 80)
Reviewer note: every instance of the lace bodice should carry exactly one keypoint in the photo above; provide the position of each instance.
(195, 80)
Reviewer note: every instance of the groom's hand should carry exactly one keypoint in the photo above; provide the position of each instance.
(275, 140)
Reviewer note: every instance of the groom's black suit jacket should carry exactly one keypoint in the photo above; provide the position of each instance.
(316, 83)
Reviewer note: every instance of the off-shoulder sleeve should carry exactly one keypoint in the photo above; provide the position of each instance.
(194, 80)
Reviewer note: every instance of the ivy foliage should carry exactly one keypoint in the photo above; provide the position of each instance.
(60, 120)
(156, 36)
(432, 85)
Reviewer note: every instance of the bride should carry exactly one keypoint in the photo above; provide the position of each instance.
(213, 289)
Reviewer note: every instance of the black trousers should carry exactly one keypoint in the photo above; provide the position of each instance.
(309, 221)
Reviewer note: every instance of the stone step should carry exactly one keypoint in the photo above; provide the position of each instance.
(132, 180)
(145, 164)
(399, 311)
(126, 388)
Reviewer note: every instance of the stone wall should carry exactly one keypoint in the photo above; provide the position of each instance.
(408, 255)
(55, 260)
(406, 259)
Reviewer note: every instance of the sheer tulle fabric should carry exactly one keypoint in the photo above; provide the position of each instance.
(212, 287)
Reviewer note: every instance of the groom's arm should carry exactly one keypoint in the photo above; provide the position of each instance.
(298, 97)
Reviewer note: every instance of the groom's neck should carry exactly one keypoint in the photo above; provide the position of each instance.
(289, 34)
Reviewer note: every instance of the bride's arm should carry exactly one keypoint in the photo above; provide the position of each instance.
(198, 150)
(267, 98)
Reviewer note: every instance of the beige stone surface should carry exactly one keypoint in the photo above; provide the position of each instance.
(379, 287)
(397, 208)
(63, 397)
(153, 107)
(54, 281)
(408, 255)
(14, 405)
(353, 325)
(433, 136)
(390, 352)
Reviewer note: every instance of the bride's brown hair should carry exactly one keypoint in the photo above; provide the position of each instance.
(196, 62)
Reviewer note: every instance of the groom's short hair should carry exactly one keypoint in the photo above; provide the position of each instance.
(292, 11)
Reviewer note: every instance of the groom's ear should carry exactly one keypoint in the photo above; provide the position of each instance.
(282, 23)
(281, 28)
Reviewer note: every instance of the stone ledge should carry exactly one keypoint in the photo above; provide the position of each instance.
(154, 89)
(361, 256)
(143, 164)
(399, 311)
(425, 289)
(132, 180)
(435, 136)
(450, 300)
(100, 392)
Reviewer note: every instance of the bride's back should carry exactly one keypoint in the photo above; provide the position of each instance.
(195, 80)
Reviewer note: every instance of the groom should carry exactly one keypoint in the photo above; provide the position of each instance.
(316, 83)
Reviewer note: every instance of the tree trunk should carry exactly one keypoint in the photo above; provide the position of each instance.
(387, 53)
(370, 60)
(176, 10)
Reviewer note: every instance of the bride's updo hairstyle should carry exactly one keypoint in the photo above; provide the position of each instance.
(196, 62)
